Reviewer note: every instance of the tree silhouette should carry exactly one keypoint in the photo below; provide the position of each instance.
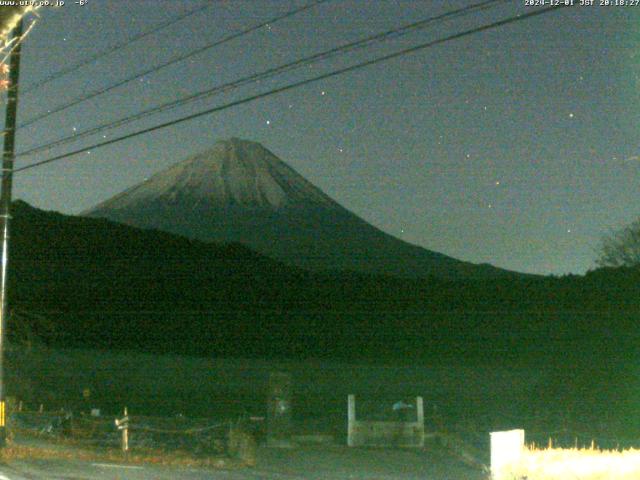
(621, 248)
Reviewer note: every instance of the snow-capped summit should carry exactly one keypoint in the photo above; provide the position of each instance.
(238, 191)
(233, 173)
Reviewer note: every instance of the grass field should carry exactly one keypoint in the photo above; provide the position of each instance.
(588, 400)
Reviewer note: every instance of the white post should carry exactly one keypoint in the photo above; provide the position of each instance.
(351, 406)
(125, 432)
(420, 421)
(506, 449)
(420, 411)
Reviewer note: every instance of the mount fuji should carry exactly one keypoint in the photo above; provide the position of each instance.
(238, 191)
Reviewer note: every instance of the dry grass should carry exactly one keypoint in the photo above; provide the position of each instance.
(68, 450)
(575, 464)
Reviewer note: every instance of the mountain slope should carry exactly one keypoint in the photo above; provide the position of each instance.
(94, 283)
(238, 191)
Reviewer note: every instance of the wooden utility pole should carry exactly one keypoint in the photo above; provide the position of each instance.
(8, 157)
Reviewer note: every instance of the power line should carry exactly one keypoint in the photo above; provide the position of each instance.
(267, 74)
(177, 59)
(114, 48)
(499, 23)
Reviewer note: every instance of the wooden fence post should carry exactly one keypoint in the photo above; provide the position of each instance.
(420, 421)
(279, 410)
(125, 433)
(351, 419)
(123, 425)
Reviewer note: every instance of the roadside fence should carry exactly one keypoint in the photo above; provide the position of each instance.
(171, 433)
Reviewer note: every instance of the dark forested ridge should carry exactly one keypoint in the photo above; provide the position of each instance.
(93, 283)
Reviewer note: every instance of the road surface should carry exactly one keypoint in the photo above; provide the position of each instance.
(308, 463)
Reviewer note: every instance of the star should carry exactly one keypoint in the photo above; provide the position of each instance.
(323, 93)
(268, 122)
(75, 129)
(497, 182)
(571, 115)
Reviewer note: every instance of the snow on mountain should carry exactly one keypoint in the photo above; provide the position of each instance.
(239, 191)
(232, 173)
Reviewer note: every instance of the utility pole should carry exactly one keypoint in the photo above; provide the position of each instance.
(8, 157)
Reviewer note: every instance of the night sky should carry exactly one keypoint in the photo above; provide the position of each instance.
(517, 146)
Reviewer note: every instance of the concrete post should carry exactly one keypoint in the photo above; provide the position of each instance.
(506, 449)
